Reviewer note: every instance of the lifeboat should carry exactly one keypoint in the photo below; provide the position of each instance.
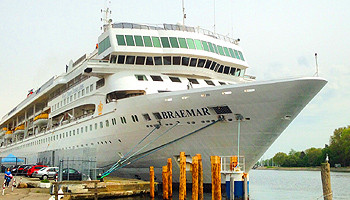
(41, 120)
(2, 132)
(8, 134)
(19, 129)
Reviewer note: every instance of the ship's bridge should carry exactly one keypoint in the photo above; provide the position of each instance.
(168, 44)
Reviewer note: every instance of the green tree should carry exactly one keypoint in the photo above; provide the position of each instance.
(280, 158)
(313, 156)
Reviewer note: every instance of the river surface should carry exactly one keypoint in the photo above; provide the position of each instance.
(287, 185)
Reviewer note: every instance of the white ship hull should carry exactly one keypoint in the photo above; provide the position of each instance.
(268, 108)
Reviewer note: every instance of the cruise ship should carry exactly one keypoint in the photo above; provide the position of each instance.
(147, 92)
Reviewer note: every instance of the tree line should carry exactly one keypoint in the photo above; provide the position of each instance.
(338, 152)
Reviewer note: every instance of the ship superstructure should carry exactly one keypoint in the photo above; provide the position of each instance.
(170, 79)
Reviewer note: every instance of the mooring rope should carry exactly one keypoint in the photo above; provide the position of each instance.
(134, 158)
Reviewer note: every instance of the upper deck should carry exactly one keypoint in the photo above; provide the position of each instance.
(169, 39)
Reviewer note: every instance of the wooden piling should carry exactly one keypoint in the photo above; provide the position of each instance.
(165, 182)
(216, 177)
(195, 178)
(151, 182)
(200, 177)
(170, 177)
(326, 181)
(182, 186)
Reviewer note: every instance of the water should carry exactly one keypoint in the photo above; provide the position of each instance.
(287, 185)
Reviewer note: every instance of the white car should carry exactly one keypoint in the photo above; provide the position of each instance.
(46, 172)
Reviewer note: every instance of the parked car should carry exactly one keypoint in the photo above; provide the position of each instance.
(73, 174)
(33, 169)
(14, 169)
(21, 168)
(46, 173)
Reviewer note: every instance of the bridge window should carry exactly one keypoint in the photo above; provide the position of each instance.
(226, 51)
(121, 40)
(167, 60)
(232, 72)
(121, 59)
(215, 49)
(149, 61)
(165, 42)
(207, 65)
(105, 44)
(211, 47)
(129, 40)
(212, 67)
(241, 55)
(205, 45)
(221, 51)
(140, 60)
(226, 69)
(183, 43)
(221, 69)
(190, 43)
(158, 60)
(176, 60)
(185, 61)
(236, 53)
(198, 44)
(238, 71)
(173, 42)
(130, 60)
(201, 62)
(232, 53)
(193, 62)
(156, 41)
(146, 117)
(138, 41)
(148, 41)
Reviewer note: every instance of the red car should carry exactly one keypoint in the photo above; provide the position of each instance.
(33, 169)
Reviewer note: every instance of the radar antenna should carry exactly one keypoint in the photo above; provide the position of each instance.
(107, 21)
(316, 74)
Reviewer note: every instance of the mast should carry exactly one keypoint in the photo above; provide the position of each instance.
(107, 21)
(183, 13)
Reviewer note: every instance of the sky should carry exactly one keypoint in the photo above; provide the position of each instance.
(279, 38)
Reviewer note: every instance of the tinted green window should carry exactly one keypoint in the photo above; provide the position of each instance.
(221, 51)
(205, 45)
(156, 41)
(138, 41)
(241, 55)
(148, 41)
(226, 51)
(232, 53)
(211, 47)
(198, 44)
(190, 43)
(121, 40)
(183, 43)
(105, 44)
(129, 40)
(216, 49)
(236, 53)
(173, 42)
(165, 42)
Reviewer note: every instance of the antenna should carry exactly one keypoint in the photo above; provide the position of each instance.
(316, 74)
(214, 17)
(183, 13)
(106, 16)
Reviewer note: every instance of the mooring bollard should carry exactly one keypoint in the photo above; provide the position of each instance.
(195, 178)
(200, 177)
(326, 181)
(151, 182)
(170, 177)
(165, 182)
(182, 186)
(215, 177)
